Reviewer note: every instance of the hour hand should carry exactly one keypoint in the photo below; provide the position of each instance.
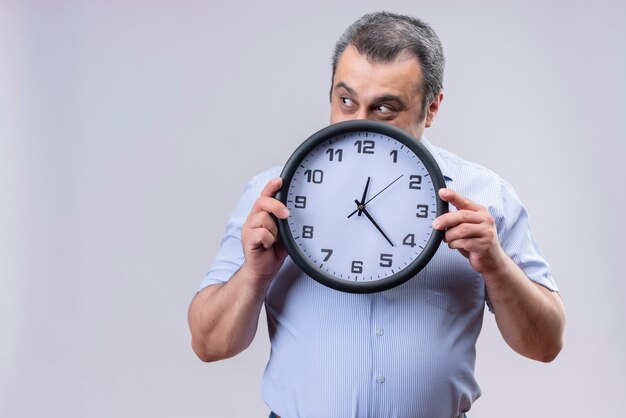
(362, 204)
(367, 214)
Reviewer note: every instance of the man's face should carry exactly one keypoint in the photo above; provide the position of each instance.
(388, 92)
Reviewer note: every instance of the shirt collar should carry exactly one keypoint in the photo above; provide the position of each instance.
(434, 151)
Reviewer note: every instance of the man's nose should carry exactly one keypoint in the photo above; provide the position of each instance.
(362, 114)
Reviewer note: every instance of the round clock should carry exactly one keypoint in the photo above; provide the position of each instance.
(362, 196)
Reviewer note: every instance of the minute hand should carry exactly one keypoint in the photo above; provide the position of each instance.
(367, 214)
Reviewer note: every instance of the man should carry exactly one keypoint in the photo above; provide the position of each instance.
(408, 351)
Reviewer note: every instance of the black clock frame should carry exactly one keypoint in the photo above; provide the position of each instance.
(324, 135)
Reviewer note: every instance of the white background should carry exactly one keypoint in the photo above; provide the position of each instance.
(129, 128)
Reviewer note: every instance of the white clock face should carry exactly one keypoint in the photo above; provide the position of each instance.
(361, 208)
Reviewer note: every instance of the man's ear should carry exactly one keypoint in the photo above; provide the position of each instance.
(433, 108)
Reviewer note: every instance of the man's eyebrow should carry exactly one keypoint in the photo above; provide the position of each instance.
(345, 86)
(379, 99)
(390, 98)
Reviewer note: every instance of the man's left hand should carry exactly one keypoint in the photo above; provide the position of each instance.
(472, 231)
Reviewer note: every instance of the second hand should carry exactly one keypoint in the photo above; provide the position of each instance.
(371, 198)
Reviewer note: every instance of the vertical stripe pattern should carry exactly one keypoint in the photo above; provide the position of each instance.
(405, 352)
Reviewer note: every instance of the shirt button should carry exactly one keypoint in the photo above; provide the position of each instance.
(380, 379)
(380, 332)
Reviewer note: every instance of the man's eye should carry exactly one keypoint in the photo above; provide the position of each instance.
(384, 109)
(347, 102)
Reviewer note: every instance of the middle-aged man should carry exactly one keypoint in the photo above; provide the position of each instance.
(408, 351)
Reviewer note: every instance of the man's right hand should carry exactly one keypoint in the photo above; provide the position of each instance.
(223, 317)
(264, 254)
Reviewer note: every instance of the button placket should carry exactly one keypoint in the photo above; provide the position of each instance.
(379, 346)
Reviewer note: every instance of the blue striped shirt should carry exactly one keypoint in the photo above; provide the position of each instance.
(405, 352)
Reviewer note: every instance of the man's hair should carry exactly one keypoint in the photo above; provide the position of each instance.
(383, 36)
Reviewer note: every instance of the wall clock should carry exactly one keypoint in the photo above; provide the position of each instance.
(362, 196)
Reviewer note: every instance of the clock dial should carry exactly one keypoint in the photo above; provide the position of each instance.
(362, 196)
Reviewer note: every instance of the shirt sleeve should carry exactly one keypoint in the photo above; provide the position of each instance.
(229, 257)
(517, 241)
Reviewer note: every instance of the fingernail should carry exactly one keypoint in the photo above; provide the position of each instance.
(436, 224)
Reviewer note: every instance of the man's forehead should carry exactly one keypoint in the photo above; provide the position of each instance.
(354, 69)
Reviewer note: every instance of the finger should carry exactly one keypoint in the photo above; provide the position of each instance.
(468, 231)
(259, 238)
(458, 201)
(461, 246)
(270, 205)
(471, 246)
(272, 187)
(263, 220)
(453, 219)
(267, 203)
(280, 249)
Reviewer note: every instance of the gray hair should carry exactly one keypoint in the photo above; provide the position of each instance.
(383, 36)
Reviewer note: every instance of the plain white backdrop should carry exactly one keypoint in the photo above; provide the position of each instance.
(129, 128)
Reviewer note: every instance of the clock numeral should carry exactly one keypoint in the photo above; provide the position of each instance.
(386, 260)
(422, 211)
(394, 155)
(364, 147)
(328, 252)
(315, 176)
(334, 152)
(307, 231)
(300, 202)
(415, 182)
(357, 267)
(409, 240)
